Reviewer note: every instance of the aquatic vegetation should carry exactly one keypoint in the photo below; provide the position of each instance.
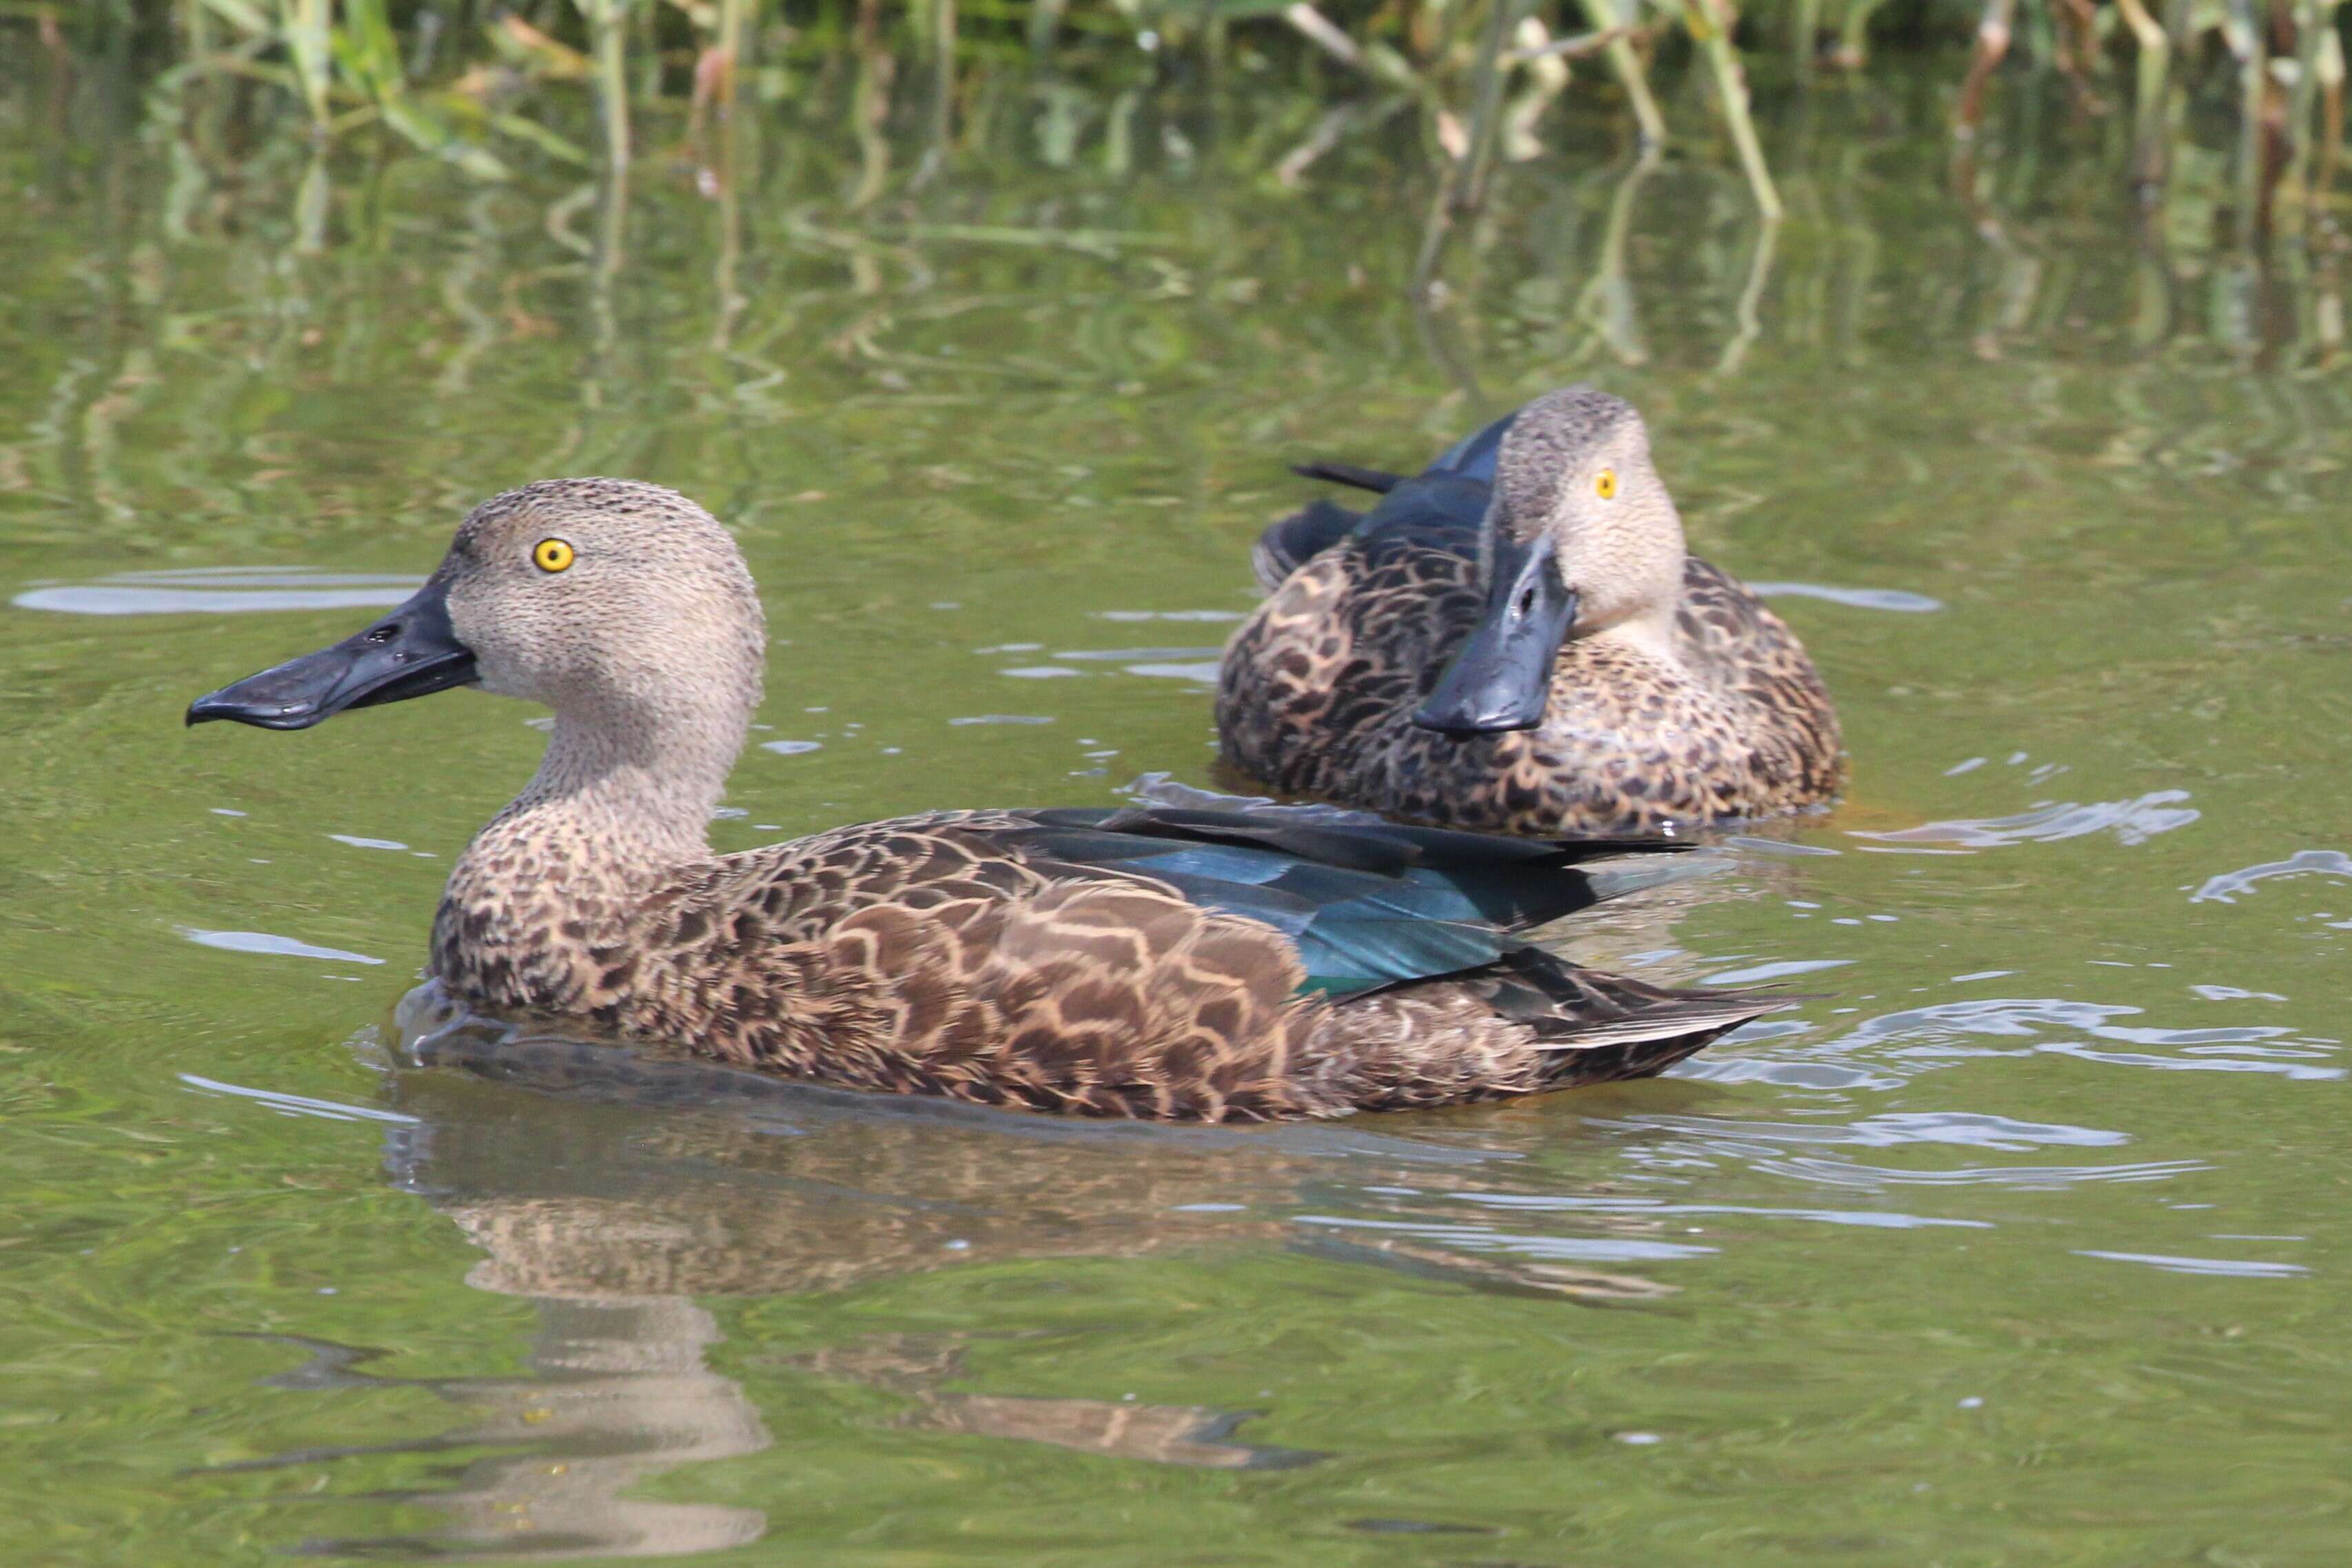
(482, 86)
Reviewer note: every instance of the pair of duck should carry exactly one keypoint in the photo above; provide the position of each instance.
(1512, 643)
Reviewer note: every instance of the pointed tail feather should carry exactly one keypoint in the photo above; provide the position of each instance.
(1596, 1027)
(1378, 480)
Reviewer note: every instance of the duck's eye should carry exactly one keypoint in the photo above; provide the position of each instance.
(1604, 484)
(550, 555)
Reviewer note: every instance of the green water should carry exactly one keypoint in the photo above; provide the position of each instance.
(2029, 1245)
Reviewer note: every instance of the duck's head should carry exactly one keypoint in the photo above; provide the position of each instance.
(1584, 539)
(622, 605)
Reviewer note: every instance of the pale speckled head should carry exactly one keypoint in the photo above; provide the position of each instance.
(1575, 467)
(622, 605)
(1584, 540)
(603, 597)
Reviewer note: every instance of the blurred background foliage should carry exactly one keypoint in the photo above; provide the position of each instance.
(786, 205)
(489, 84)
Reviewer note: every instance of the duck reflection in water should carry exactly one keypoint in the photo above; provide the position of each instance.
(620, 1192)
(617, 1393)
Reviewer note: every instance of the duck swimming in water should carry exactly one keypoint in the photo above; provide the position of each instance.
(1514, 640)
(1143, 962)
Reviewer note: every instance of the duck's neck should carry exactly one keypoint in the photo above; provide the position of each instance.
(1649, 632)
(645, 791)
(616, 813)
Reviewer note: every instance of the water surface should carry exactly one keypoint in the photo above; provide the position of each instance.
(2026, 1244)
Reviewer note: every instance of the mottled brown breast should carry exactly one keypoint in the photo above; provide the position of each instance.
(1339, 654)
(1317, 689)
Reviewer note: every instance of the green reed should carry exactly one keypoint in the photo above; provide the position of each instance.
(476, 82)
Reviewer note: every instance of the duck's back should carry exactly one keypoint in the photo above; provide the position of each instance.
(1147, 962)
(1319, 687)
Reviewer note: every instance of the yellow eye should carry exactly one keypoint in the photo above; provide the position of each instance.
(551, 555)
(1604, 485)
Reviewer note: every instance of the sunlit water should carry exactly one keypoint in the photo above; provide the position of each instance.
(2025, 1243)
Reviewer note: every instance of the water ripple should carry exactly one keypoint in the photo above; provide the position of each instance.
(1780, 1149)
(2132, 822)
(1882, 1053)
(297, 1104)
(266, 942)
(1893, 599)
(1968, 1129)
(1198, 665)
(1780, 970)
(218, 590)
(1123, 656)
(2232, 1267)
(2226, 887)
(1483, 1239)
(1878, 1218)
(1838, 1172)
(1783, 1074)
(1945, 1029)
(2285, 1062)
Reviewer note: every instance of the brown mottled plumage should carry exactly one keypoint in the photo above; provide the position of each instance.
(1676, 701)
(1150, 962)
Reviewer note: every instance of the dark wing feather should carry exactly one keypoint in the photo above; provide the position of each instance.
(1443, 507)
(1287, 545)
(1430, 511)
(1366, 905)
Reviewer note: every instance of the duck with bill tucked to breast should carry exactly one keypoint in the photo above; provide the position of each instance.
(1515, 641)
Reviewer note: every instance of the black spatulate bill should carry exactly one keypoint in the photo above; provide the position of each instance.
(411, 653)
(1501, 678)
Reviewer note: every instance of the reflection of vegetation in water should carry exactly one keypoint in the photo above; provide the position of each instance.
(816, 283)
(492, 92)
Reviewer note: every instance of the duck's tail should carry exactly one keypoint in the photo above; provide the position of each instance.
(1380, 481)
(1595, 1027)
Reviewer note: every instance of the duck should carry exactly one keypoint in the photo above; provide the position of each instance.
(1516, 640)
(1141, 961)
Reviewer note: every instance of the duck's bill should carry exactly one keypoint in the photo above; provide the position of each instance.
(411, 653)
(1501, 678)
